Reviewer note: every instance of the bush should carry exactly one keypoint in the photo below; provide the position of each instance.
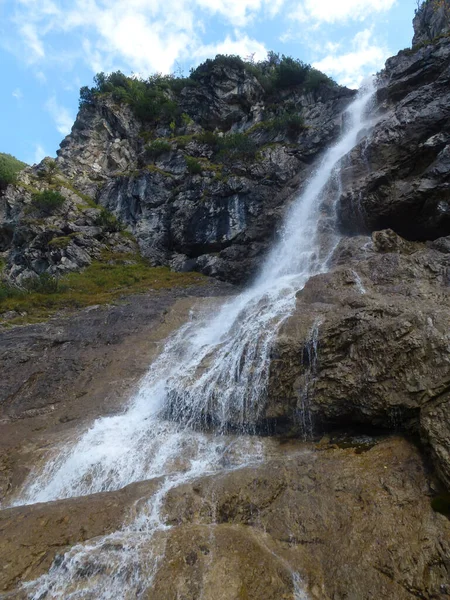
(148, 99)
(157, 147)
(108, 221)
(290, 123)
(43, 284)
(290, 72)
(9, 168)
(207, 137)
(316, 78)
(193, 165)
(154, 100)
(221, 60)
(47, 202)
(236, 146)
(48, 171)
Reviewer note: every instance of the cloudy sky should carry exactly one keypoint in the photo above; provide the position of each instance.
(50, 48)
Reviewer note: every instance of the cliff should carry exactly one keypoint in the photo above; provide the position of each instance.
(341, 490)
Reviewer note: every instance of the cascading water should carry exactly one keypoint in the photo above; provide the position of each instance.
(212, 372)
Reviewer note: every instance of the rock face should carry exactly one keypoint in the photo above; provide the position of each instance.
(400, 179)
(220, 220)
(431, 20)
(54, 241)
(369, 344)
(327, 522)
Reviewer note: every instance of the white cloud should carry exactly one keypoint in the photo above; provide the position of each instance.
(63, 119)
(17, 94)
(332, 11)
(39, 154)
(240, 12)
(140, 35)
(242, 46)
(32, 42)
(366, 57)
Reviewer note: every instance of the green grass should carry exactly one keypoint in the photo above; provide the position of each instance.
(193, 165)
(9, 168)
(156, 148)
(104, 281)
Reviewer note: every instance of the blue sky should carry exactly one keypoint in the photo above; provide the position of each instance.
(50, 48)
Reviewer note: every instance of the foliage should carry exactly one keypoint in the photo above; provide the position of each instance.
(230, 61)
(153, 100)
(105, 280)
(62, 241)
(290, 72)
(236, 146)
(207, 137)
(48, 171)
(290, 123)
(9, 168)
(193, 165)
(157, 147)
(47, 202)
(149, 99)
(108, 222)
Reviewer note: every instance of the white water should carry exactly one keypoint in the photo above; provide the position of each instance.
(213, 371)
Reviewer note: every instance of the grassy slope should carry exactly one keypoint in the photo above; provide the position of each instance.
(104, 281)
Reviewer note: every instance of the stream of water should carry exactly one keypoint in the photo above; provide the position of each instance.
(212, 373)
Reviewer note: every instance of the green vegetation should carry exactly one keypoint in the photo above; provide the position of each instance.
(150, 99)
(108, 222)
(156, 148)
(62, 241)
(103, 281)
(47, 202)
(9, 168)
(291, 123)
(49, 171)
(154, 100)
(275, 73)
(236, 146)
(193, 165)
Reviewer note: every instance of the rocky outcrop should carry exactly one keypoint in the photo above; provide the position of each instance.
(400, 178)
(220, 219)
(35, 241)
(432, 20)
(327, 522)
(369, 344)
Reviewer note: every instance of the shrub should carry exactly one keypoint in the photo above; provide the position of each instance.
(290, 123)
(108, 221)
(193, 165)
(221, 60)
(290, 72)
(48, 171)
(236, 146)
(9, 168)
(43, 284)
(47, 202)
(157, 147)
(316, 78)
(148, 98)
(207, 137)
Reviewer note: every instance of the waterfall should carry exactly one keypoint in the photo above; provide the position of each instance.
(211, 378)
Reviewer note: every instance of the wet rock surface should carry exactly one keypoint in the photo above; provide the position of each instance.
(399, 179)
(341, 524)
(58, 376)
(221, 220)
(369, 344)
